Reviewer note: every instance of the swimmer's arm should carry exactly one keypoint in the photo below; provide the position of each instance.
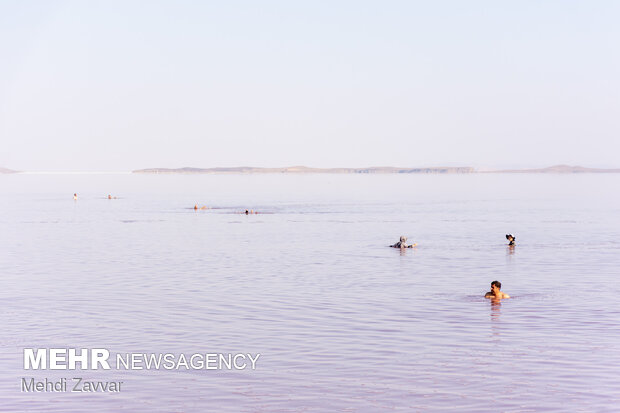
(491, 295)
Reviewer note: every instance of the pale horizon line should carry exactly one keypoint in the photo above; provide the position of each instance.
(475, 169)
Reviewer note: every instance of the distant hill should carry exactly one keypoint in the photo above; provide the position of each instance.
(6, 171)
(305, 169)
(564, 169)
(559, 169)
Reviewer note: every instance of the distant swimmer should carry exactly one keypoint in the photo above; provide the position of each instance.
(111, 197)
(195, 207)
(511, 239)
(75, 197)
(247, 212)
(495, 292)
(403, 243)
(202, 207)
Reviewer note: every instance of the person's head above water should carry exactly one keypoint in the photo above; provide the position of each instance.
(511, 239)
(495, 291)
(402, 243)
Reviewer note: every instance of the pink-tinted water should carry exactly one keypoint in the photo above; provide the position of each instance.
(342, 322)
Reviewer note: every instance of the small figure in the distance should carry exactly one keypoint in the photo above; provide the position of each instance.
(111, 197)
(402, 243)
(247, 212)
(495, 292)
(511, 239)
(75, 197)
(195, 207)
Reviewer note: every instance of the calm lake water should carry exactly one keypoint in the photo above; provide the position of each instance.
(342, 322)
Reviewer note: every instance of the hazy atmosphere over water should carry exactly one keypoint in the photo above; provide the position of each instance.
(122, 85)
(295, 267)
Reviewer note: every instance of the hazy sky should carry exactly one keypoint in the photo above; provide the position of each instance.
(120, 85)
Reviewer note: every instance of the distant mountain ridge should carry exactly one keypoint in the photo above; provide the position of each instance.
(563, 169)
(556, 169)
(305, 169)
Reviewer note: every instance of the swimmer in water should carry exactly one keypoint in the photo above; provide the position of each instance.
(195, 207)
(75, 197)
(511, 239)
(402, 243)
(495, 292)
(247, 212)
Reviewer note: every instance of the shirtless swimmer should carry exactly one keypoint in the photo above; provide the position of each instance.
(495, 292)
